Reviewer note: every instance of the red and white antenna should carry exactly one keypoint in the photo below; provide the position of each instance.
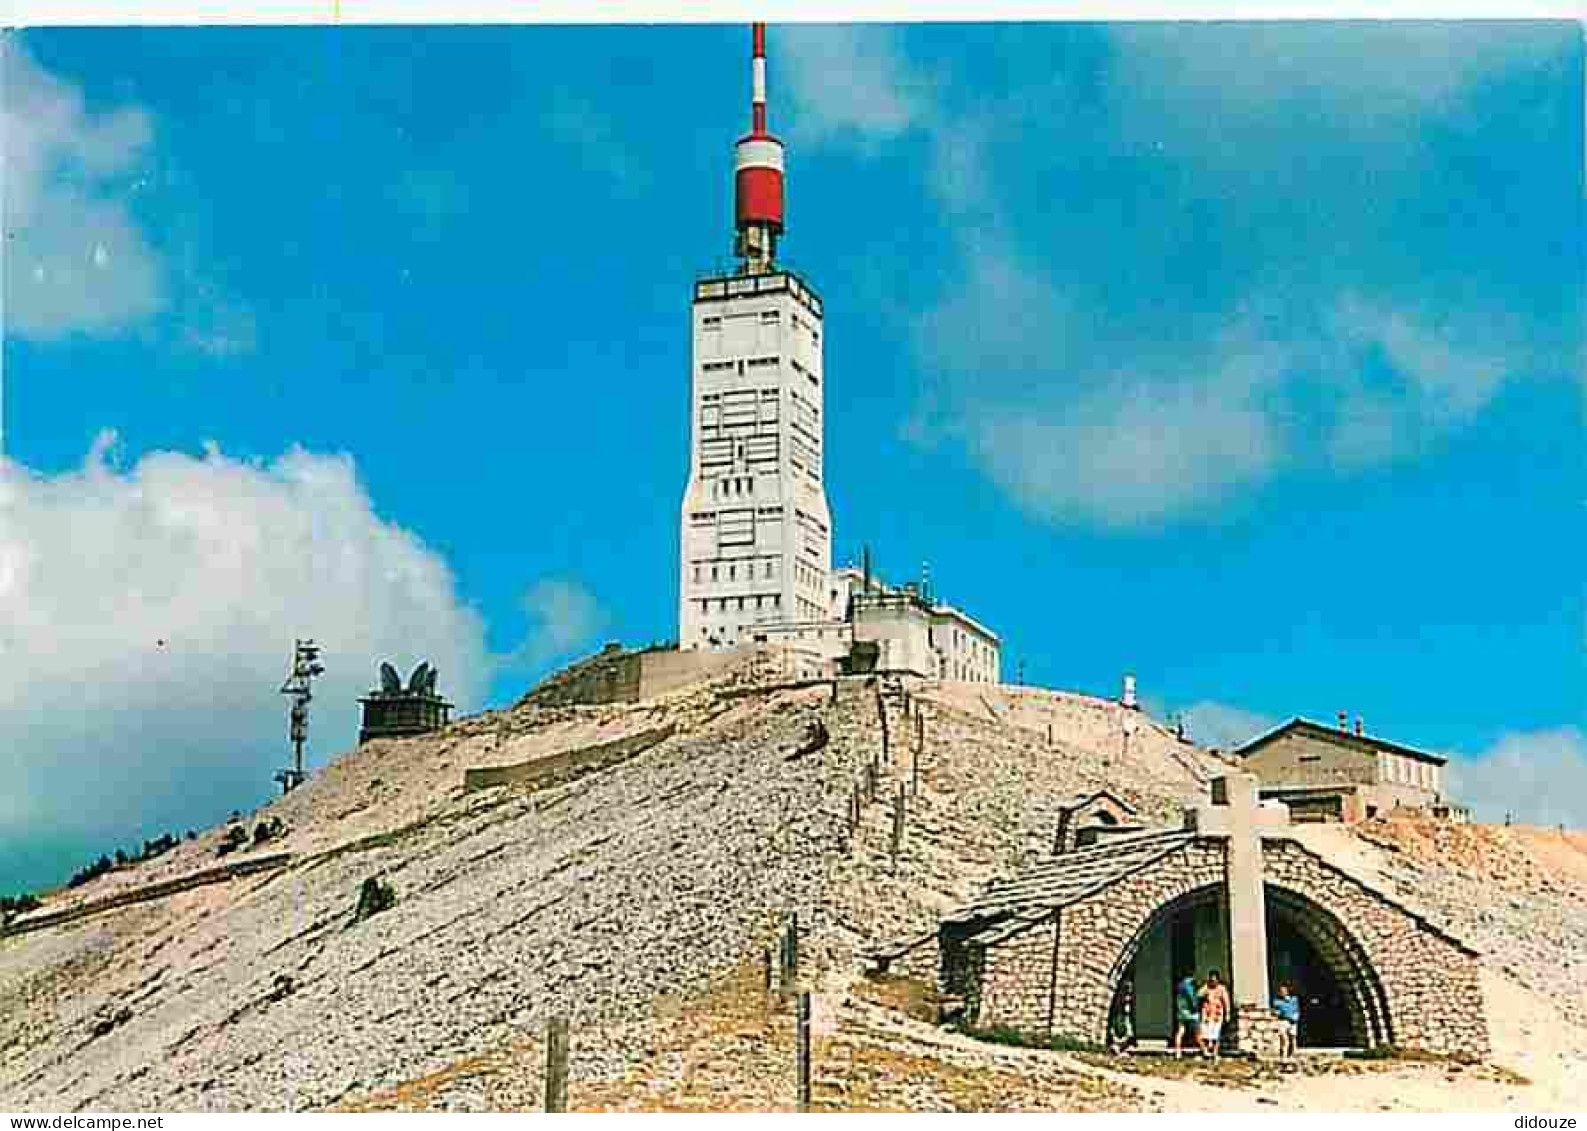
(758, 170)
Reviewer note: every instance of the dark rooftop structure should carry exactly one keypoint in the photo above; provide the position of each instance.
(395, 711)
(1340, 736)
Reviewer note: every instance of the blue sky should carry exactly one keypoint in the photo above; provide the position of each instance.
(1261, 381)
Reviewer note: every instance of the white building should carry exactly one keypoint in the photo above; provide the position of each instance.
(913, 633)
(755, 528)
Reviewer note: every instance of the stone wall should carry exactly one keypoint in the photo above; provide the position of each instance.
(609, 676)
(559, 768)
(1303, 759)
(1099, 935)
(1016, 981)
(1429, 979)
(1410, 984)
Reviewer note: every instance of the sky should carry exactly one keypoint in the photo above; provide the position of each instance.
(1260, 381)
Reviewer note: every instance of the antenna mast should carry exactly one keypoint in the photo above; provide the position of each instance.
(305, 666)
(757, 174)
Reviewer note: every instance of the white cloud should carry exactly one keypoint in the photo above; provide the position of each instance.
(1072, 442)
(1218, 724)
(147, 617)
(850, 84)
(564, 615)
(75, 260)
(1539, 777)
(1132, 455)
(1297, 83)
(1084, 419)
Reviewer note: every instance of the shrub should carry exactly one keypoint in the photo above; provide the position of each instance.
(236, 837)
(1008, 1035)
(374, 897)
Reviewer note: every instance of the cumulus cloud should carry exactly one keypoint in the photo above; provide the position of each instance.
(563, 615)
(1538, 777)
(147, 617)
(1218, 724)
(75, 259)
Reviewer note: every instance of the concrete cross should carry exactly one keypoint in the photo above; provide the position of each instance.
(1237, 815)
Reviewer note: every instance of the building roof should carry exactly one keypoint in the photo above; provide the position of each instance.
(950, 612)
(1032, 896)
(1081, 800)
(1365, 743)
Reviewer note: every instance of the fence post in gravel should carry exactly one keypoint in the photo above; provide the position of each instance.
(881, 711)
(793, 949)
(898, 824)
(557, 1064)
(802, 1050)
(766, 983)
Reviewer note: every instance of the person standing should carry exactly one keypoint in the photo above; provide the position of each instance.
(1287, 1006)
(1187, 1010)
(1214, 1011)
(1121, 1027)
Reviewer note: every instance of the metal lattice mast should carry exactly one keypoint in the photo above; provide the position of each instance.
(305, 666)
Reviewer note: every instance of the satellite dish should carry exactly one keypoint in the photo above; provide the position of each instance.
(416, 680)
(390, 681)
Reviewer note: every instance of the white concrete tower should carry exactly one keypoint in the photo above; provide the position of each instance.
(756, 531)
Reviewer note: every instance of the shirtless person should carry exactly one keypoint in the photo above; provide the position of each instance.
(1214, 1011)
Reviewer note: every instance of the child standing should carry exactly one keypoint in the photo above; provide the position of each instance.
(1287, 1006)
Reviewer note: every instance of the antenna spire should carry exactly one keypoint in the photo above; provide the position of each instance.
(758, 171)
(758, 94)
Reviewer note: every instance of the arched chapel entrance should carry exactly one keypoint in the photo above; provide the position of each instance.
(1342, 999)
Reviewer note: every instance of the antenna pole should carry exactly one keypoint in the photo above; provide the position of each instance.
(305, 666)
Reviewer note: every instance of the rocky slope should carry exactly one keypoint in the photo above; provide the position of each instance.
(619, 898)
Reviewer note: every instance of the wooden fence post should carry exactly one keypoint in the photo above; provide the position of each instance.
(557, 1064)
(898, 824)
(802, 1050)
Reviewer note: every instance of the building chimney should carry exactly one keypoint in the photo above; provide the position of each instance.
(865, 571)
(1344, 721)
(1128, 698)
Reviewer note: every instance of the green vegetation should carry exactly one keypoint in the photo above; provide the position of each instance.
(1007, 1035)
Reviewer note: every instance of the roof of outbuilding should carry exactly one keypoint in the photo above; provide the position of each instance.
(1021, 901)
(1364, 742)
(1081, 800)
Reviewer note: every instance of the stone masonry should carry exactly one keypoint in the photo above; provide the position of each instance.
(1054, 971)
